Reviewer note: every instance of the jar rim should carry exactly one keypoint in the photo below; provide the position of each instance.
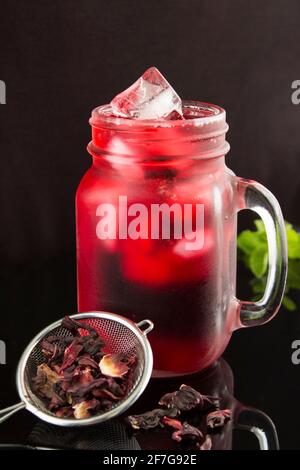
(199, 115)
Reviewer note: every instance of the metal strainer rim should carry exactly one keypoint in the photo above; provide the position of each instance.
(134, 395)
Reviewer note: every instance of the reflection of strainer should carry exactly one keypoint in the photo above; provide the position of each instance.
(120, 335)
(111, 435)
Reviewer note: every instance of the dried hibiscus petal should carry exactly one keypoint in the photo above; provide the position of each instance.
(91, 345)
(80, 390)
(112, 366)
(81, 410)
(150, 419)
(106, 405)
(115, 387)
(99, 393)
(217, 419)
(131, 361)
(44, 381)
(71, 353)
(147, 420)
(186, 399)
(73, 325)
(173, 423)
(56, 402)
(87, 360)
(50, 350)
(71, 382)
(85, 376)
(64, 412)
(187, 432)
(183, 430)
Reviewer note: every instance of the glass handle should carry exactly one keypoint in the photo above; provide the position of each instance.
(258, 423)
(254, 196)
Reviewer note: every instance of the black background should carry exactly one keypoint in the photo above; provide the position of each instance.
(60, 59)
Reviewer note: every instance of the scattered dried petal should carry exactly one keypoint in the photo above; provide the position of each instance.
(217, 419)
(187, 398)
(148, 420)
(151, 419)
(112, 366)
(187, 432)
(173, 423)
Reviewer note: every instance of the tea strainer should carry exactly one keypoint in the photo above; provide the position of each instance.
(122, 336)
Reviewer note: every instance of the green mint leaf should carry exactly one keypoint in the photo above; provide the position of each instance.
(292, 235)
(256, 298)
(260, 226)
(288, 225)
(258, 285)
(289, 304)
(293, 277)
(293, 240)
(253, 252)
(247, 241)
(287, 288)
(260, 231)
(259, 261)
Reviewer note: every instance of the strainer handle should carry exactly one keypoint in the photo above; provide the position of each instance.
(10, 410)
(148, 323)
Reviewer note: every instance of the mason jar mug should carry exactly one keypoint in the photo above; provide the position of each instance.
(156, 218)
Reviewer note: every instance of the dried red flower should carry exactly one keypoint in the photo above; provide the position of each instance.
(71, 382)
(150, 419)
(112, 366)
(189, 405)
(217, 419)
(82, 409)
(187, 432)
(173, 423)
(187, 398)
(147, 420)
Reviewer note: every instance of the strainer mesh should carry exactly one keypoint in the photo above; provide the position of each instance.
(118, 338)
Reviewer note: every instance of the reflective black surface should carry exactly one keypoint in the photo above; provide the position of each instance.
(256, 372)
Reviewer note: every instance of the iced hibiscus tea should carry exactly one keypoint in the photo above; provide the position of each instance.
(177, 282)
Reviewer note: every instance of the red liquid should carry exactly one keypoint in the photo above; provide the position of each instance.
(180, 291)
(187, 294)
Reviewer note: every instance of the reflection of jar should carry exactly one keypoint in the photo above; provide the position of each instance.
(217, 381)
(156, 233)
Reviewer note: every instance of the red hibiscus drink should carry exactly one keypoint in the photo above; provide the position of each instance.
(156, 223)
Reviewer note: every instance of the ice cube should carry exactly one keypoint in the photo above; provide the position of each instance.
(150, 97)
